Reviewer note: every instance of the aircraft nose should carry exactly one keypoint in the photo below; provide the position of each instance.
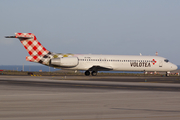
(174, 67)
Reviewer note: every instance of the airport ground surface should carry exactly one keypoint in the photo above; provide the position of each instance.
(89, 98)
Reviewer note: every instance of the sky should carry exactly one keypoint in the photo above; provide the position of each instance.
(117, 27)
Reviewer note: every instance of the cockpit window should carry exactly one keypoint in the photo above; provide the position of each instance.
(166, 60)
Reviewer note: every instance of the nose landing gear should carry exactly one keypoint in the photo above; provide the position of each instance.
(167, 74)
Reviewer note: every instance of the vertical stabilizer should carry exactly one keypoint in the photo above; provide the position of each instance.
(37, 52)
(31, 44)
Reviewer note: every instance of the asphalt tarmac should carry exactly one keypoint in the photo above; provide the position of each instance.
(89, 98)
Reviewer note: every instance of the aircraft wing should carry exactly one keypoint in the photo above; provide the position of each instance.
(100, 68)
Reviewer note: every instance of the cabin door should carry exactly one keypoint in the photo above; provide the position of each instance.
(160, 63)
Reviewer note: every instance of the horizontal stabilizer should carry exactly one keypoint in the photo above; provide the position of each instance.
(22, 35)
(10, 36)
(21, 38)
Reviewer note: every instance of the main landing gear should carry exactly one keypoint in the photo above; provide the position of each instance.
(87, 73)
(93, 73)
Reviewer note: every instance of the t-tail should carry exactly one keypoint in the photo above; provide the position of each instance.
(37, 52)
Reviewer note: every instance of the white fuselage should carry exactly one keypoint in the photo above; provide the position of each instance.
(124, 62)
(89, 62)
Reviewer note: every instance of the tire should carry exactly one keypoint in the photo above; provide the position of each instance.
(87, 73)
(167, 74)
(94, 73)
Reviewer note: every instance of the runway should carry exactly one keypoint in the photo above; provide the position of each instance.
(89, 98)
(109, 84)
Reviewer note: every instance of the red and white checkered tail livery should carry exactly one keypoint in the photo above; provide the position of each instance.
(33, 58)
(31, 44)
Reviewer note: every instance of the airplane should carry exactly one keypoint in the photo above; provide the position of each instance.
(89, 63)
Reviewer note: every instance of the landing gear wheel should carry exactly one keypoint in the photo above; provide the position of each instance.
(93, 73)
(87, 73)
(167, 74)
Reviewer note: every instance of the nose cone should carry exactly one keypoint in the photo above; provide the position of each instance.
(174, 67)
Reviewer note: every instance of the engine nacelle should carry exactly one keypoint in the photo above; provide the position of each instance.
(65, 61)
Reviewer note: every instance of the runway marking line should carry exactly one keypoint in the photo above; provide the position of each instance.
(124, 118)
(158, 82)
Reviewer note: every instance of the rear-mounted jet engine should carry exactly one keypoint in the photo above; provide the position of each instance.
(65, 61)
